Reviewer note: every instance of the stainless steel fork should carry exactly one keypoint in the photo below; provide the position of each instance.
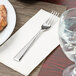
(50, 22)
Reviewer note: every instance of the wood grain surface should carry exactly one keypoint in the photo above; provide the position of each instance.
(25, 10)
(67, 3)
(54, 64)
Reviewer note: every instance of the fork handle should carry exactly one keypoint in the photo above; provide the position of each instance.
(20, 55)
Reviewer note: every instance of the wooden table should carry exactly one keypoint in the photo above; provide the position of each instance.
(57, 61)
(67, 3)
(25, 10)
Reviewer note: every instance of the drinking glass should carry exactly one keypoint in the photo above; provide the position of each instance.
(67, 37)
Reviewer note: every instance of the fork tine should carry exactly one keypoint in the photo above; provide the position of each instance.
(57, 14)
(49, 17)
(54, 18)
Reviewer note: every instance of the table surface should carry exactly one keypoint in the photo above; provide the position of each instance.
(67, 3)
(25, 11)
(57, 61)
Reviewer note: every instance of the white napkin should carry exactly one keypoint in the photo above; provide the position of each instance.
(47, 42)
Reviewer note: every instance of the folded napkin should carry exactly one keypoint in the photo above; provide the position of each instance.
(46, 43)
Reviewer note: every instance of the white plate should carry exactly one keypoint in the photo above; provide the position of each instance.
(11, 18)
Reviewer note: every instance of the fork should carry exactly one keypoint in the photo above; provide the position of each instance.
(49, 23)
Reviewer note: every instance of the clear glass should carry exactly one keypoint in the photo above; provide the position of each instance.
(67, 37)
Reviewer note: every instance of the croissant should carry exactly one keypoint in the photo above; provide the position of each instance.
(3, 17)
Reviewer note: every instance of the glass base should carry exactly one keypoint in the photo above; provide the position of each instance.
(70, 71)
